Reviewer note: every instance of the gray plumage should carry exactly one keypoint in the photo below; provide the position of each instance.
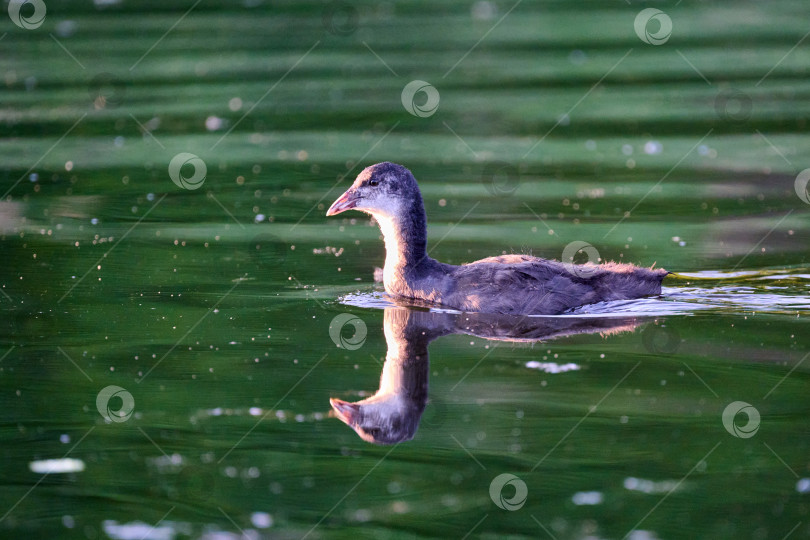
(514, 284)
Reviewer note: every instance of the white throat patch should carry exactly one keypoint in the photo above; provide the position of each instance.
(392, 247)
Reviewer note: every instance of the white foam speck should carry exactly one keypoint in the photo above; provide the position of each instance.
(552, 367)
(53, 466)
(587, 498)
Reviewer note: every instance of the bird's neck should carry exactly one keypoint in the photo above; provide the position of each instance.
(405, 372)
(405, 243)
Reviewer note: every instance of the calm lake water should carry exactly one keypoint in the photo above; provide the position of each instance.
(177, 311)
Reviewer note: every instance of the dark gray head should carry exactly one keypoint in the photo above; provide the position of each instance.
(384, 190)
(381, 419)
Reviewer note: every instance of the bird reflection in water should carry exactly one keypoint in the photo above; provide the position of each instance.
(392, 414)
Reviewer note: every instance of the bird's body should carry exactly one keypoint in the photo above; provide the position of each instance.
(522, 284)
(513, 284)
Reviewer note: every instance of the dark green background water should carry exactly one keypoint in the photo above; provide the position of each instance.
(211, 307)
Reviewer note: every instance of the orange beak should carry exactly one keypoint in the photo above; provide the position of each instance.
(344, 410)
(347, 201)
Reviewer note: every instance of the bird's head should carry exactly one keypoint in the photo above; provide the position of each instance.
(384, 190)
(380, 419)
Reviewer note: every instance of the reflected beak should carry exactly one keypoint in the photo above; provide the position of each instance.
(344, 410)
(347, 201)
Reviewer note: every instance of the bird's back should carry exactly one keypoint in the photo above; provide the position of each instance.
(522, 284)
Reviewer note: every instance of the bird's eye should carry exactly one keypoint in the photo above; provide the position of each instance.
(373, 183)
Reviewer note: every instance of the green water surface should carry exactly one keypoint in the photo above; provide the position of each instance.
(211, 307)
